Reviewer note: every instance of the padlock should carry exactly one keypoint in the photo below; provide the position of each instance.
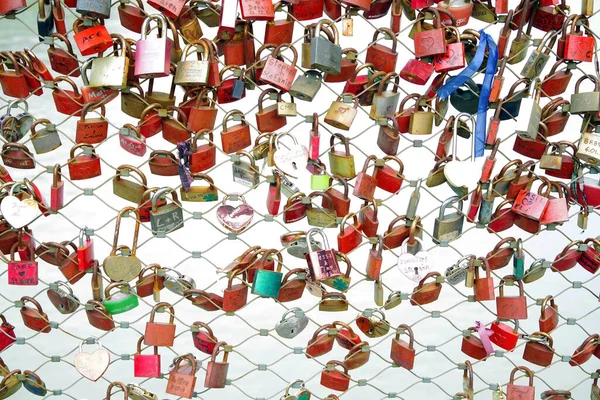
(150, 283)
(158, 333)
(325, 55)
(368, 219)
(350, 236)
(587, 102)
(267, 119)
(203, 341)
(46, 139)
(45, 19)
(279, 31)
(555, 118)
(502, 218)
(63, 300)
(539, 57)
(557, 211)
(365, 183)
(356, 83)
(375, 259)
(341, 162)
(455, 171)
(7, 334)
(472, 346)
(180, 283)
(402, 353)
(530, 205)
(584, 351)
(306, 86)
(123, 267)
(395, 235)
(232, 88)
(200, 193)
(567, 258)
(278, 73)
(382, 57)
(203, 112)
(63, 61)
(98, 317)
(129, 190)
(122, 301)
(237, 137)
(146, 366)
(590, 259)
(387, 178)
(266, 282)
(294, 209)
(511, 307)
(333, 378)
(514, 392)
(12, 6)
(348, 66)
(94, 8)
(425, 293)
(91, 130)
(550, 17)
(204, 300)
(132, 16)
(341, 115)
(292, 289)
(549, 315)
(166, 218)
(519, 45)
(182, 384)
(436, 176)
(530, 114)
(68, 102)
(505, 336)
(23, 272)
(448, 227)
(388, 138)
(461, 11)
(556, 82)
(13, 82)
(92, 39)
(385, 101)
(194, 72)
(499, 256)
(431, 42)
(305, 10)
(163, 163)
(454, 55)
(245, 173)
(171, 8)
(83, 165)
(322, 263)
(486, 206)
(274, 195)
(34, 318)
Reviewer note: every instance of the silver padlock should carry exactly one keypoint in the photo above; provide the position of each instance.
(307, 86)
(457, 273)
(109, 72)
(46, 139)
(63, 300)
(588, 102)
(539, 57)
(385, 102)
(136, 392)
(179, 283)
(193, 72)
(530, 113)
(94, 8)
(245, 173)
(18, 125)
(292, 323)
(166, 218)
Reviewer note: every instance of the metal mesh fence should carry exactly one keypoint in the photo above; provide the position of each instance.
(262, 364)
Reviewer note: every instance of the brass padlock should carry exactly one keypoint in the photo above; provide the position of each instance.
(341, 162)
(127, 189)
(340, 114)
(109, 72)
(421, 120)
(539, 57)
(307, 86)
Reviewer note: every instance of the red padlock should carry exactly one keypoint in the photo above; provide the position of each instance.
(92, 40)
(235, 296)
(216, 372)
(382, 57)
(294, 209)
(568, 257)
(334, 379)
(472, 346)
(34, 318)
(520, 392)
(539, 349)
(556, 82)
(69, 102)
(278, 73)
(368, 219)
(257, 10)
(350, 236)
(84, 166)
(146, 365)
(91, 130)
(454, 56)
(7, 334)
(292, 289)
(387, 178)
(503, 217)
(23, 272)
(585, 350)
(430, 42)
(425, 293)
(268, 119)
(365, 183)
(14, 83)
(549, 316)
(203, 157)
(484, 287)
(375, 259)
(281, 30)
(235, 137)
(182, 384)
(320, 343)
(417, 72)
(63, 61)
(304, 10)
(346, 337)
(590, 259)
(57, 190)
(159, 333)
(505, 336)
(204, 341)
(403, 353)
(511, 307)
(171, 8)
(85, 251)
(204, 300)
(203, 112)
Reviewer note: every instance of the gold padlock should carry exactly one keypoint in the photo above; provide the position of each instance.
(340, 114)
(341, 162)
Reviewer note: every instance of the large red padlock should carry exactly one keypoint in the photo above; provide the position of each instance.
(511, 307)
(556, 82)
(63, 61)
(23, 272)
(204, 156)
(368, 219)
(205, 341)
(365, 183)
(484, 287)
(320, 343)
(294, 209)
(204, 300)
(292, 289)
(279, 31)
(13, 82)
(34, 318)
(520, 392)
(375, 259)
(333, 378)
(425, 293)
(403, 353)
(503, 217)
(216, 371)
(345, 337)
(257, 10)
(505, 336)
(590, 259)
(382, 57)
(159, 333)
(175, 126)
(91, 130)
(387, 178)
(237, 137)
(349, 236)
(549, 315)
(417, 71)
(585, 350)
(430, 42)
(235, 296)
(146, 365)
(93, 40)
(203, 112)
(278, 73)
(473, 346)
(539, 349)
(304, 10)
(568, 257)
(268, 119)
(171, 8)
(84, 166)
(69, 102)
(98, 317)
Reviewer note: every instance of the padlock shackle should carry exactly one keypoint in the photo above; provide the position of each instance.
(132, 169)
(527, 372)
(344, 258)
(409, 332)
(139, 346)
(136, 231)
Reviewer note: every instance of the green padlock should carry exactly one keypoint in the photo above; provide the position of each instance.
(319, 180)
(119, 302)
(267, 283)
(341, 162)
(535, 271)
(519, 261)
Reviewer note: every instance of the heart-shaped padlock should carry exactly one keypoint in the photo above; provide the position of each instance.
(235, 219)
(19, 213)
(290, 160)
(92, 366)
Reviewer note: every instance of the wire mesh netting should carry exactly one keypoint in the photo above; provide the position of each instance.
(263, 364)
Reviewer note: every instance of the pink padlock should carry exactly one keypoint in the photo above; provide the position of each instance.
(146, 365)
(153, 56)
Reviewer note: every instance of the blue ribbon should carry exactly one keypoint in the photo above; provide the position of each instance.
(486, 41)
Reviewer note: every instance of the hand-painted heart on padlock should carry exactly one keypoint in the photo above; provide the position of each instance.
(235, 219)
(19, 213)
(414, 266)
(92, 366)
